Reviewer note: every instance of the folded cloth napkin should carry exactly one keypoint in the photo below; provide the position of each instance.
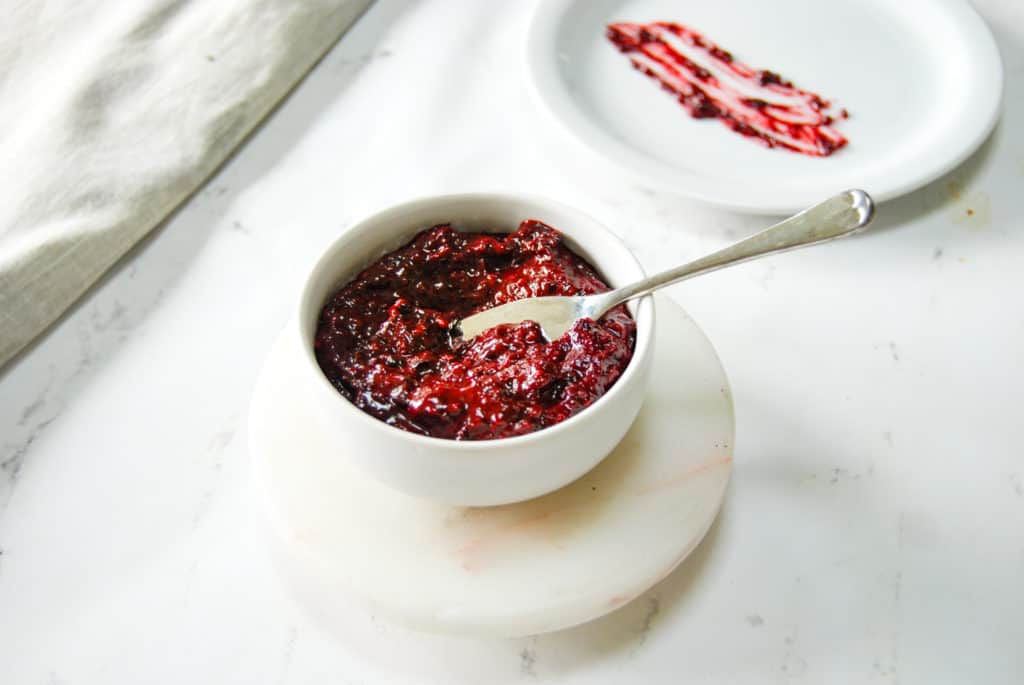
(112, 112)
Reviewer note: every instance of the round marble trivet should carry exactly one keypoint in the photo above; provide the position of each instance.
(512, 570)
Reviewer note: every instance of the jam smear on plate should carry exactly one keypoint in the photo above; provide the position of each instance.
(710, 83)
(384, 339)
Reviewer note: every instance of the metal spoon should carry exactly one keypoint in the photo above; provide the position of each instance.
(838, 216)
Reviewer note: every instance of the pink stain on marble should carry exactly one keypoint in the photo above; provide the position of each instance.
(474, 549)
(691, 472)
(472, 554)
(619, 600)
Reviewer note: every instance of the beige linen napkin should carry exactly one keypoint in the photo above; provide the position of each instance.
(113, 111)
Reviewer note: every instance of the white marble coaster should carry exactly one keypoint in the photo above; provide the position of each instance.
(518, 569)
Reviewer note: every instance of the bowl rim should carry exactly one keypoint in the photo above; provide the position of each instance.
(642, 345)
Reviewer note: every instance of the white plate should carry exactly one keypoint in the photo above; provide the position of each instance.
(518, 569)
(922, 80)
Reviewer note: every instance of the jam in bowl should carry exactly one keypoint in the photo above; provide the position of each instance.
(503, 417)
(387, 339)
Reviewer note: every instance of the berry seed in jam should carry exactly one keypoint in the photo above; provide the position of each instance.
(710, 83)
(383, 339)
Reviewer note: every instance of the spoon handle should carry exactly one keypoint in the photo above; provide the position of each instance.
(838, 216)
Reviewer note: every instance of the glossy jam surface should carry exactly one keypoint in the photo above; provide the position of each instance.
(710, 83)
(383, 339)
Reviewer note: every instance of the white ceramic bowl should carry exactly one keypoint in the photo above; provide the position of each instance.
(475, 472)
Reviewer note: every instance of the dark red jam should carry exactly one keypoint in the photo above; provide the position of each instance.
(384, 340)
(710, 83)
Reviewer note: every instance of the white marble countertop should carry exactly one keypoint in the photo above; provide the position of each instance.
(874, 527)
